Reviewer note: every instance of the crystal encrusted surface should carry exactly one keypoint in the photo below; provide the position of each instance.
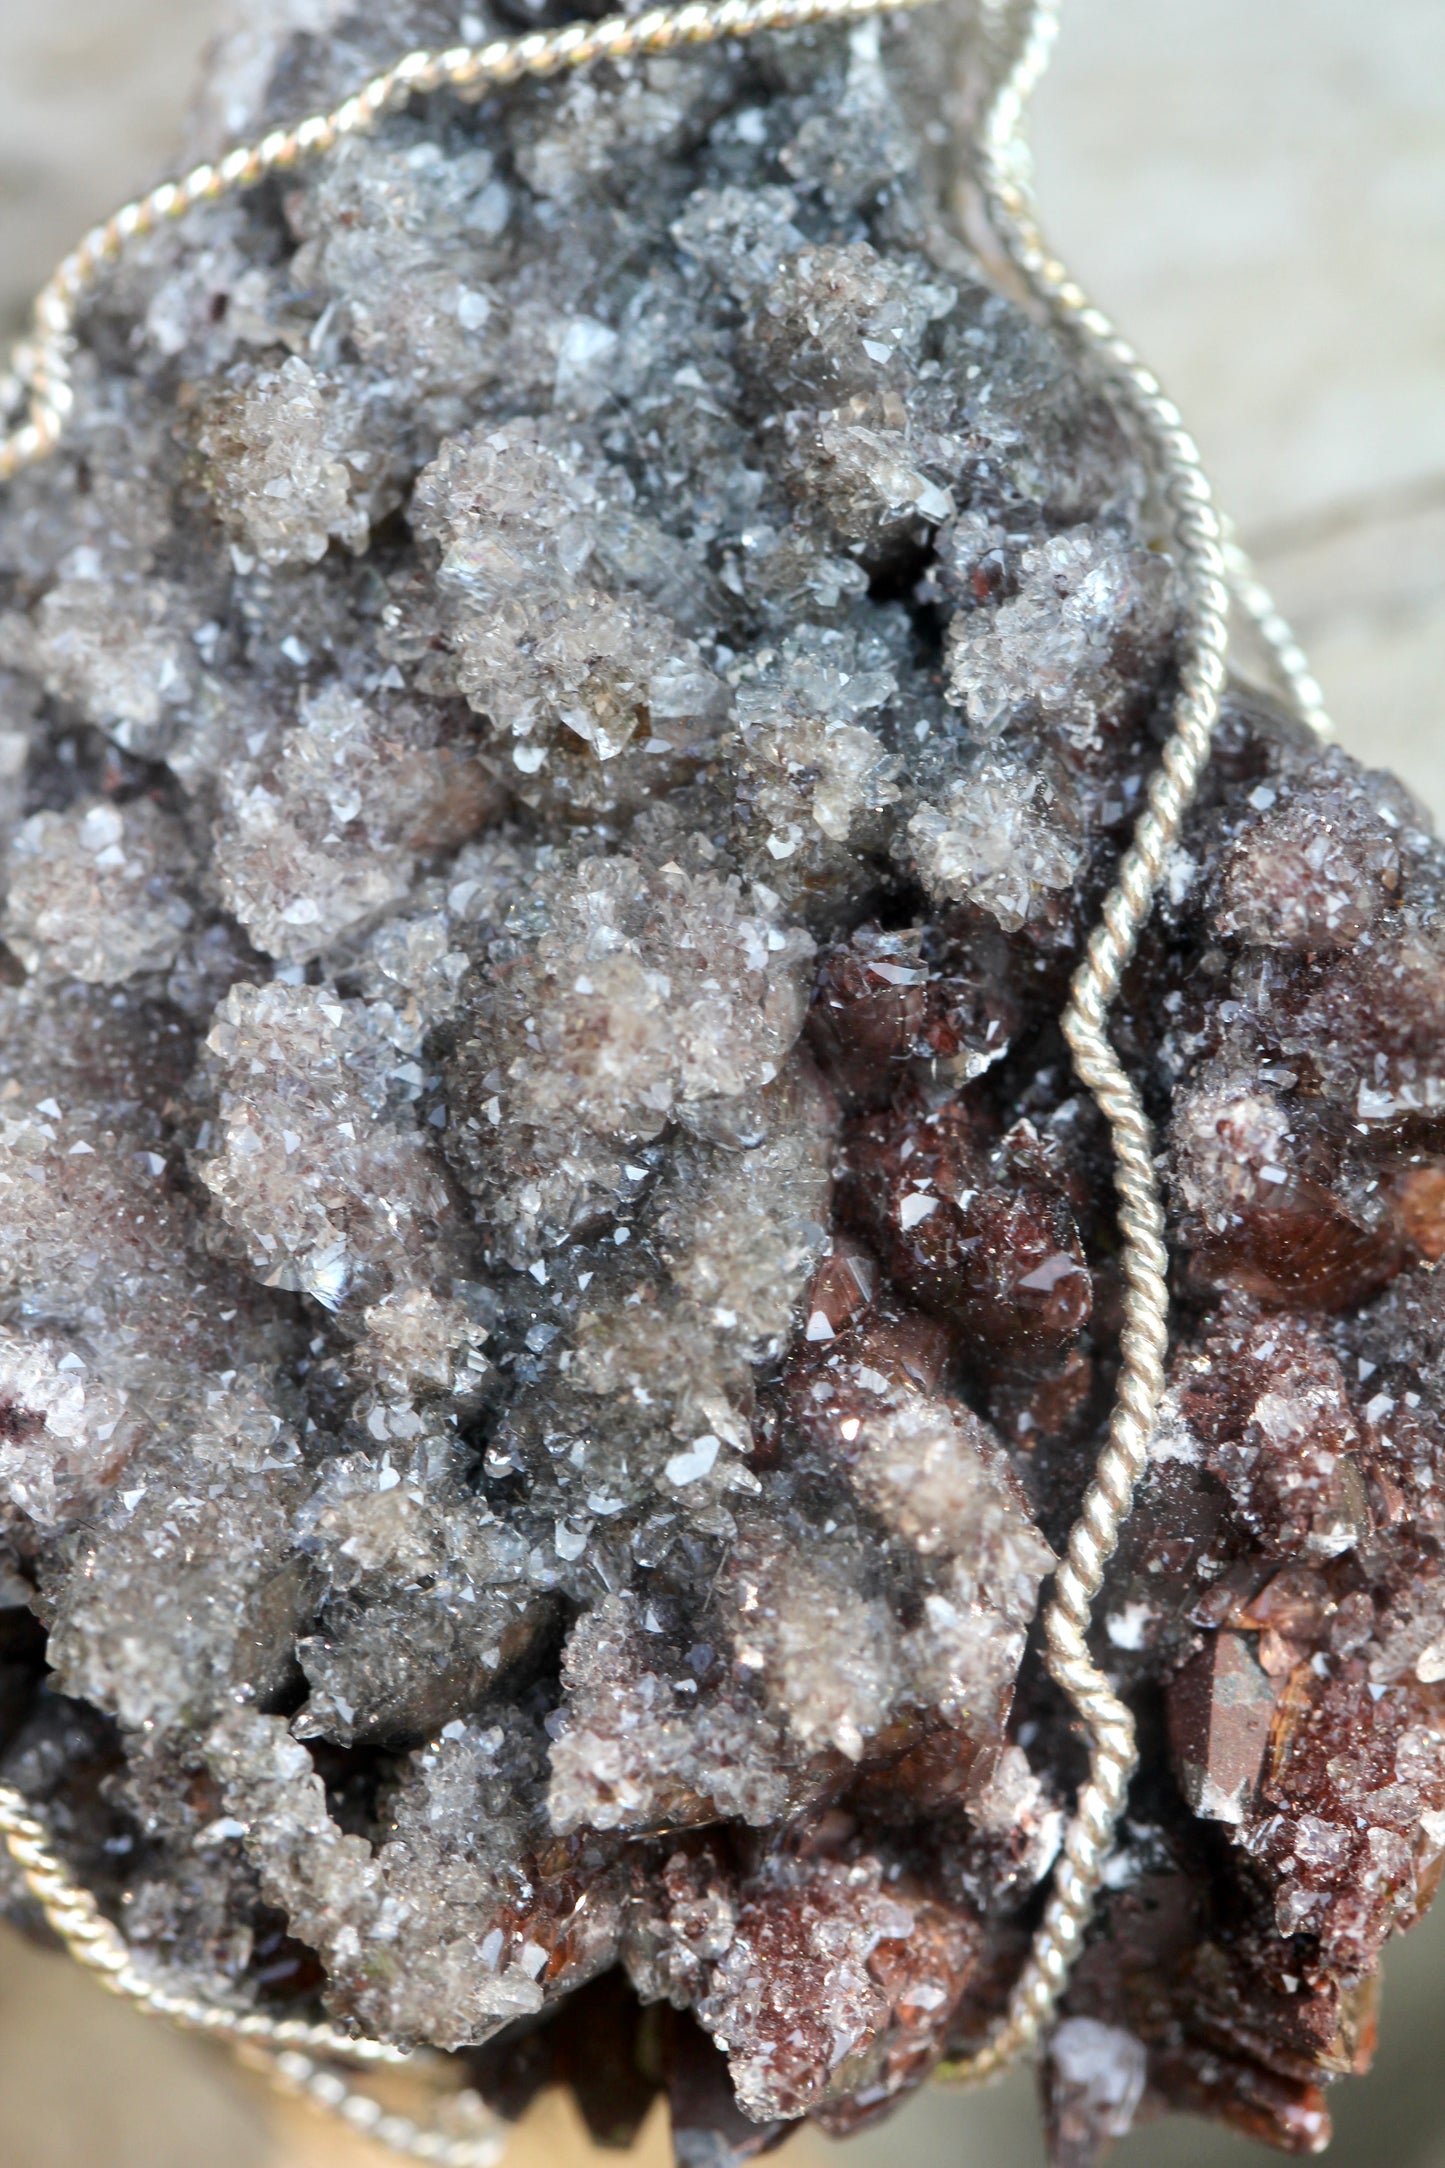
(563, 715)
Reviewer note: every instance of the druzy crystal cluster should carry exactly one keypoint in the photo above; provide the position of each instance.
(564, 713)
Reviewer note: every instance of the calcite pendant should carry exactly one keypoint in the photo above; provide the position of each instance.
(566, 709)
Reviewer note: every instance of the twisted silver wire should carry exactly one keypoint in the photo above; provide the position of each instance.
(293, 2071)
(1027, 33)
(1209, 562)
(72, 1912)
(41, 366)
(294, 2053)
(1278, 635)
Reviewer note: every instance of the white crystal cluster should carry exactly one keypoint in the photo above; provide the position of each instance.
(513, 602)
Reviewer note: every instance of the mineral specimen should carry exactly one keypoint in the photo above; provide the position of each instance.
(564, 713)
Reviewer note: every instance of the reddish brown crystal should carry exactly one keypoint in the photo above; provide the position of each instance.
(1221, 1711)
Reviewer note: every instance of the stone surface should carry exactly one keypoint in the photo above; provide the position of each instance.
(994, 1279)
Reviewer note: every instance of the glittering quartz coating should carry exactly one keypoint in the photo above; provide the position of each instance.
(565, 710)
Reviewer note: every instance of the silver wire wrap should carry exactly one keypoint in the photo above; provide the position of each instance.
(1027, 32)
(40, 367)
(293, 2052)
(1275, 630)
(1209, 563)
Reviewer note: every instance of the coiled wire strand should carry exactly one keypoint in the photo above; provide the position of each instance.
(1027, 33)
(300, 2055)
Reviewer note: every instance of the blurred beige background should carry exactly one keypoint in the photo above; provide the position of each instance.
(1256, 188)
